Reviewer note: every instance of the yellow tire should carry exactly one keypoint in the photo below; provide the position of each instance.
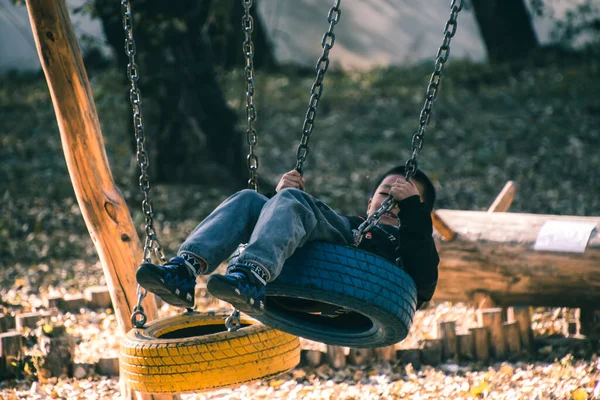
(193, 352)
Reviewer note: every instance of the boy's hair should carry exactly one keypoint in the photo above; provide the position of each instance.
(428, 196)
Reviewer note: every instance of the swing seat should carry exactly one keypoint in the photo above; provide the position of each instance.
(341, 296)
(193, 352)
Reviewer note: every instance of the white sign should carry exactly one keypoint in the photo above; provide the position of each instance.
(567, 236)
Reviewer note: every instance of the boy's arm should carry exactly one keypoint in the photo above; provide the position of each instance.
(416, 247)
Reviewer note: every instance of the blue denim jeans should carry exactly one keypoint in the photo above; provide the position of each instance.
(272, 228)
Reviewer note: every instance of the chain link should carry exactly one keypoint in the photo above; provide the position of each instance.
(417, 139)
(316, 90)
(151, 242)
(251, 135)
(233, 322)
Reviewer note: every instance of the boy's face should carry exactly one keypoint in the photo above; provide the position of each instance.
(382, 192)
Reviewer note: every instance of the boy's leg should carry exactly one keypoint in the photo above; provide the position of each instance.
(211, 242)
(287, 221)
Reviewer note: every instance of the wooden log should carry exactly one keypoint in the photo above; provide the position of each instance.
(442, 227)
(361, 356)
(74, 302)
(101, 202)
(108, 366)
(409, 356)
(7, 323)
(312, 358)
(447, 331)
(11, 344)
(492, 319)
(59, 352)
(431, 351)
(522, 316)
(466, 347)
(493, 253)
(98, 297)
(336, 356)
(387, 353)
(55, 302)
(481, 338)
(28, 320)
(505, 198)
(102, 205)
(513, 337)
(590, 322)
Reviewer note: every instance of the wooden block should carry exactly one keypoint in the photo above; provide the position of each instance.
(447, 331)
(74, 302)
(466, 347)
(505, 198)
(513, 337)
(312, 358)
(590, 322)
(361, 356)
(387, 353)
(409, 356)
(336, 356)
(108, 366)
(55, 302)
(28, 320)
(483, 300)
(83, 370)
(481, 338)
(522, 316)
(98, 297)
(442, 227)
(431, 351)
(11, 344)
(492, 319)
(7, 323)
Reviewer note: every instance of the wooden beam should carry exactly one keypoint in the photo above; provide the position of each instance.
(442, 227)
(505, 198)
(102, 205)
(493, 253)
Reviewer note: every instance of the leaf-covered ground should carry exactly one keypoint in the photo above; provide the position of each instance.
(539, 126)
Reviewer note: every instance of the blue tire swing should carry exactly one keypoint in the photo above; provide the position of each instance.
(334, 294)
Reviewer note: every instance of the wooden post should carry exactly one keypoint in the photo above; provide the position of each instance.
(513, 337)
(523, 318)
(505, 198)
(431, 351)
(590, 322)
(360, 356)
(336, 357)
(442, 227)
(410, 356)
(312, 358)
(387, 353)
(481, 337)
(102, 205)
(466, 347)
(449, 342)
(492, 319)
(11, 344)
(7, 322)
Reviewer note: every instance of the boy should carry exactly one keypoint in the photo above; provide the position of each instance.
(273, 229)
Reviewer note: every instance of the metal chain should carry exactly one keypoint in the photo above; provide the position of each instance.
(417, 139)
(151, 242)
(251, 135)
(233, 322)
(316, 90)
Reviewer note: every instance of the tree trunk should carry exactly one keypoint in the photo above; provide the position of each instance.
(194, 138)
(493, 253)
(506, 29)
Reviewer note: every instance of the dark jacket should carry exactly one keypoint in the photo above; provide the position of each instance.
(410, 246)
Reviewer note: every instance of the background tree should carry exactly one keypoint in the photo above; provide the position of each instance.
(506, 29)
(194, 135)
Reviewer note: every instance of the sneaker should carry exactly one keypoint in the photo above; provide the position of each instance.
(173, 282)
(240, 287)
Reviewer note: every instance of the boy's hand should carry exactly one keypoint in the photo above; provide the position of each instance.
(291, 179)
(403, 189)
